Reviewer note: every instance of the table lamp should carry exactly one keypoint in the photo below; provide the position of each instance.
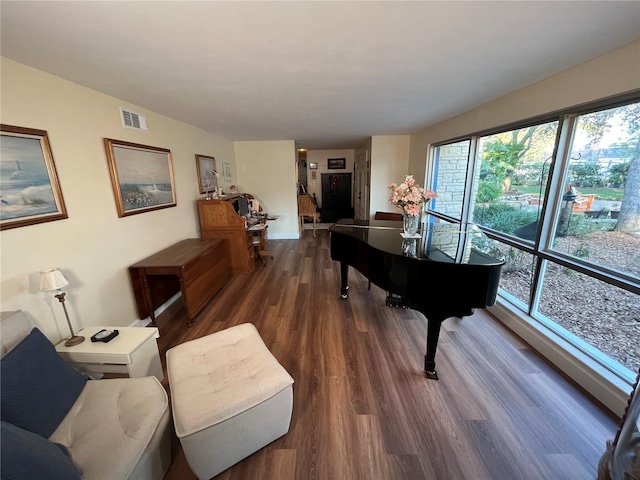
(54, 279)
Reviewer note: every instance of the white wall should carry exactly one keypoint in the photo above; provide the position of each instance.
(267, 170)
(320, 157)
(93, 246)
(389, 164)
(611, 74)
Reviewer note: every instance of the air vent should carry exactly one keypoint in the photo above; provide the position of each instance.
(133, 120)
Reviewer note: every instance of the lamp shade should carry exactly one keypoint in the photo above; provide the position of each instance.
(52, 279)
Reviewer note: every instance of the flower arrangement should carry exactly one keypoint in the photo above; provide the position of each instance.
(409, 196)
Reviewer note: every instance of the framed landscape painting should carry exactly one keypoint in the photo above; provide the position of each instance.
(29, 189)
(206, 167)
(141, 176)
(336, 163)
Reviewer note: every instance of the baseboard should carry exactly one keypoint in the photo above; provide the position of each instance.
(283, 236)
(605, 386)
(159, 310)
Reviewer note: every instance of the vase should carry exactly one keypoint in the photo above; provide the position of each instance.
(410, 223)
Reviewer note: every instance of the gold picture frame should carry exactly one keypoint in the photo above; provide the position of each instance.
(141, 176)
(207, 173)
(31, 192)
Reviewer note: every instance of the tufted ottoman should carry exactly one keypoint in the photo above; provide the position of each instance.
(230, 397)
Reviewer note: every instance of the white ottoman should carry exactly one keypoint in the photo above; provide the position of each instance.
(230, 397)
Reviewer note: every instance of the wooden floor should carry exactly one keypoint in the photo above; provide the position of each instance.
(363, 408)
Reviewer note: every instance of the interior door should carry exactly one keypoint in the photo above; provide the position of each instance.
(362, 172)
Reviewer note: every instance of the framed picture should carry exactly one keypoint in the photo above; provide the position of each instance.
(206, 168)
(313, 165)
(142, 177)
(226, 171)
(336, 163)
(30, 191)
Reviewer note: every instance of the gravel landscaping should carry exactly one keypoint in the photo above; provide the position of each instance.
(603, 315)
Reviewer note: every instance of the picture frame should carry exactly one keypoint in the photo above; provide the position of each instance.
(226, 171)
(336, 163)
(31, 192)
(313, 165)
(207, 173)
(141, 176)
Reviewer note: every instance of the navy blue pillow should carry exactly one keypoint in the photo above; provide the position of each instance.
(27, 455)
(38, 387)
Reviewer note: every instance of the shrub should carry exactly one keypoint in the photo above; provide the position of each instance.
(489, 190)
(504, 218)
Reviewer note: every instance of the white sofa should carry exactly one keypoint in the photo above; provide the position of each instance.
(116, 429)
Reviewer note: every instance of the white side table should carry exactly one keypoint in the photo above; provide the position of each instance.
(134, 351)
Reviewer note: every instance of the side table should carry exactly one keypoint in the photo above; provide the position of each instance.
(134, 352)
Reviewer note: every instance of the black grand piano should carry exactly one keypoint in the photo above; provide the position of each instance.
(446, 272)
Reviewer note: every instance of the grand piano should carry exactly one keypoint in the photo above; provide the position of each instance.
(446, 272)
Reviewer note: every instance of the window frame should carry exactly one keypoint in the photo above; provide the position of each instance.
(541, 247)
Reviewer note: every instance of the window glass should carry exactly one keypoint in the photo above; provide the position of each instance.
(597, 222)
(599, 218)
(517, 273)
(450, 172)
(512, 179)
(602, 315)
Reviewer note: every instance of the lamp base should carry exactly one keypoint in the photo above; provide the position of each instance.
(74, 340)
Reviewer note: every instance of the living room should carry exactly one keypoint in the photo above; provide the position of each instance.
(94, 246)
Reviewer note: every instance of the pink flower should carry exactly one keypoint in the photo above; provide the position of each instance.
(409, 196)
(413, 209)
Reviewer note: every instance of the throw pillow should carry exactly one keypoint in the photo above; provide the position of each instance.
(38, 387)
(25, 454)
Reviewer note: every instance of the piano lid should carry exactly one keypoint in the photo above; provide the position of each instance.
(440, 241)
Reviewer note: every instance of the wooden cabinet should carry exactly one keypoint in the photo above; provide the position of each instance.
(196, 267)
(218, 219)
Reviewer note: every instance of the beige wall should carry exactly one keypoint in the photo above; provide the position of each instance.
(320, 157)
(93, 246)
(268, 171)
(389, 164)
(611, 74)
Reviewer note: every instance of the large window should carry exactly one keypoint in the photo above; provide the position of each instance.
(450, 162)
(511, 179)
(562, 198)
(600, 219)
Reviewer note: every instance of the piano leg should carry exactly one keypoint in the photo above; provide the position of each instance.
(344, 275)
(433, 333)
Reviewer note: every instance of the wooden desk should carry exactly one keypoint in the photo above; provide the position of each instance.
(197, 267)
(218, 219)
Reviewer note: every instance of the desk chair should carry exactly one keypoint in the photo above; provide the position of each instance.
(259, 243)
(306, 208)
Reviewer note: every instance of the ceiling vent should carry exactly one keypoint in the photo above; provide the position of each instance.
(133, 120)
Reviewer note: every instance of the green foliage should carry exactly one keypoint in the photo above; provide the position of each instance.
(503, 217)
(581, 226)
(618, 175)
(500, 158)
(516, 261)
(586, 175)
(528, 174)
(488, 191)
(582, 251)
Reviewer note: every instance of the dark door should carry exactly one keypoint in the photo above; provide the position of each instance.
(336, 197)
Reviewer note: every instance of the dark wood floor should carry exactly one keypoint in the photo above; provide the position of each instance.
(363, 408)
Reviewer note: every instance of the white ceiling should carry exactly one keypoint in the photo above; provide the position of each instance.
(326, 74)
